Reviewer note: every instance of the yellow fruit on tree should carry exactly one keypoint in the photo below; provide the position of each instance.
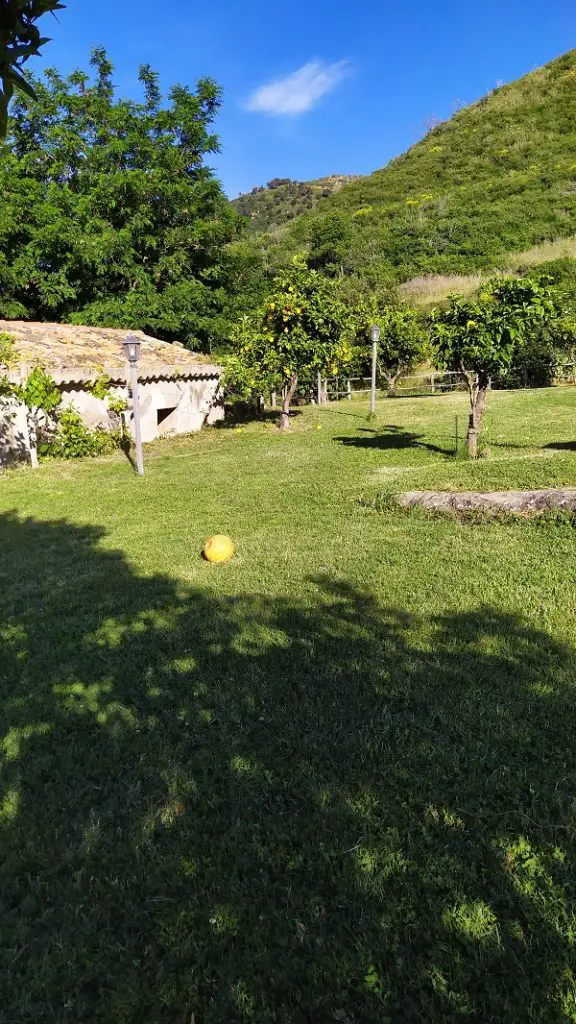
(218, 548)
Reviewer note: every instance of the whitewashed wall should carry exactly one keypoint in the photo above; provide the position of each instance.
(184, 405)
(14, 438)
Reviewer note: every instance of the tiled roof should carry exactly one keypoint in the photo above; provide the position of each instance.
(76, 353)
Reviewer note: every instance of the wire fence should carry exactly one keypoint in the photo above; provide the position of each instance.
(435, 382)
(432, 383)
(336, 389)
(565, 373)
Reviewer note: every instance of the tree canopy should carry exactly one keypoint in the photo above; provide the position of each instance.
(479, 337)
(300, 330)
(403, 343)
(110, 214)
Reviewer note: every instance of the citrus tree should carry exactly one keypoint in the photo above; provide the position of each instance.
(478, 338)
(403, 344)
(41, 396)
(301, 330)
(38, 392)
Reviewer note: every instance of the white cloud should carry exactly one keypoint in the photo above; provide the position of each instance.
(299, 92)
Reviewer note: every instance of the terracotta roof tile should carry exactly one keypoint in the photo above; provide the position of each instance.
(77, 352)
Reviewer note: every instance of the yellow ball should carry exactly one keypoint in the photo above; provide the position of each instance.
(218, 548)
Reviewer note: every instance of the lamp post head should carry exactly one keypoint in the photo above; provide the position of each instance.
(131, 346)
(375, 333)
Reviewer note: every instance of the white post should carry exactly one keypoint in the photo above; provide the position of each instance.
(33, 439)
(136, 413)
(349, 390)
(373, 391)
(319, 387)
(273, 399)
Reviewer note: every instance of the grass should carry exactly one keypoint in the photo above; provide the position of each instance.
(430, 289)
(332, 780)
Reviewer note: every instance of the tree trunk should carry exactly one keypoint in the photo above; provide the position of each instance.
(478, 390)
(481, 400)
(286, 401)
(472, 437)
(392, 381)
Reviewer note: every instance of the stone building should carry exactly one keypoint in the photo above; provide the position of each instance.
(179, 390)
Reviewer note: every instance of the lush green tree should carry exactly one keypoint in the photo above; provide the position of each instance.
(479, 337)
(42, 397)
(301, 330)
(20, 39)
(404, 337)
(110, 215)
(404, 343)
(329, 244)
(38, 392)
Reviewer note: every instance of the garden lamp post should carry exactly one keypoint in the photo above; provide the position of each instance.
(132, 352)
(375, 335)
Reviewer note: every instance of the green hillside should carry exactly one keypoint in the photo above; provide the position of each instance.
(281, 200)
(499, 177)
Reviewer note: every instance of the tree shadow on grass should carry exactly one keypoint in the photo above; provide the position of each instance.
(391, 437)
(254, 416)
(271, 809)
(562, 446)
(515, 445)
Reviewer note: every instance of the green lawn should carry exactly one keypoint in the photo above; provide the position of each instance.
(332, 780)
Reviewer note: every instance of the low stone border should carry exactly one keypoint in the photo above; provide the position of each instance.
(495, 501)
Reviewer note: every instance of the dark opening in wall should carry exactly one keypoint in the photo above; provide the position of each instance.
(163, 414)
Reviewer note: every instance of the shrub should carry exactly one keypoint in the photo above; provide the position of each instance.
(74, 440)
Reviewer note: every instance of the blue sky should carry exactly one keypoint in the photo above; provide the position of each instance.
(323, 86)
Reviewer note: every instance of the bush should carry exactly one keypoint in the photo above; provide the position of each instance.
(74, 440)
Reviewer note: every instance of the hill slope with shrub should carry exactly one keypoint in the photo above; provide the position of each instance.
(281, 200)
(498, 177)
